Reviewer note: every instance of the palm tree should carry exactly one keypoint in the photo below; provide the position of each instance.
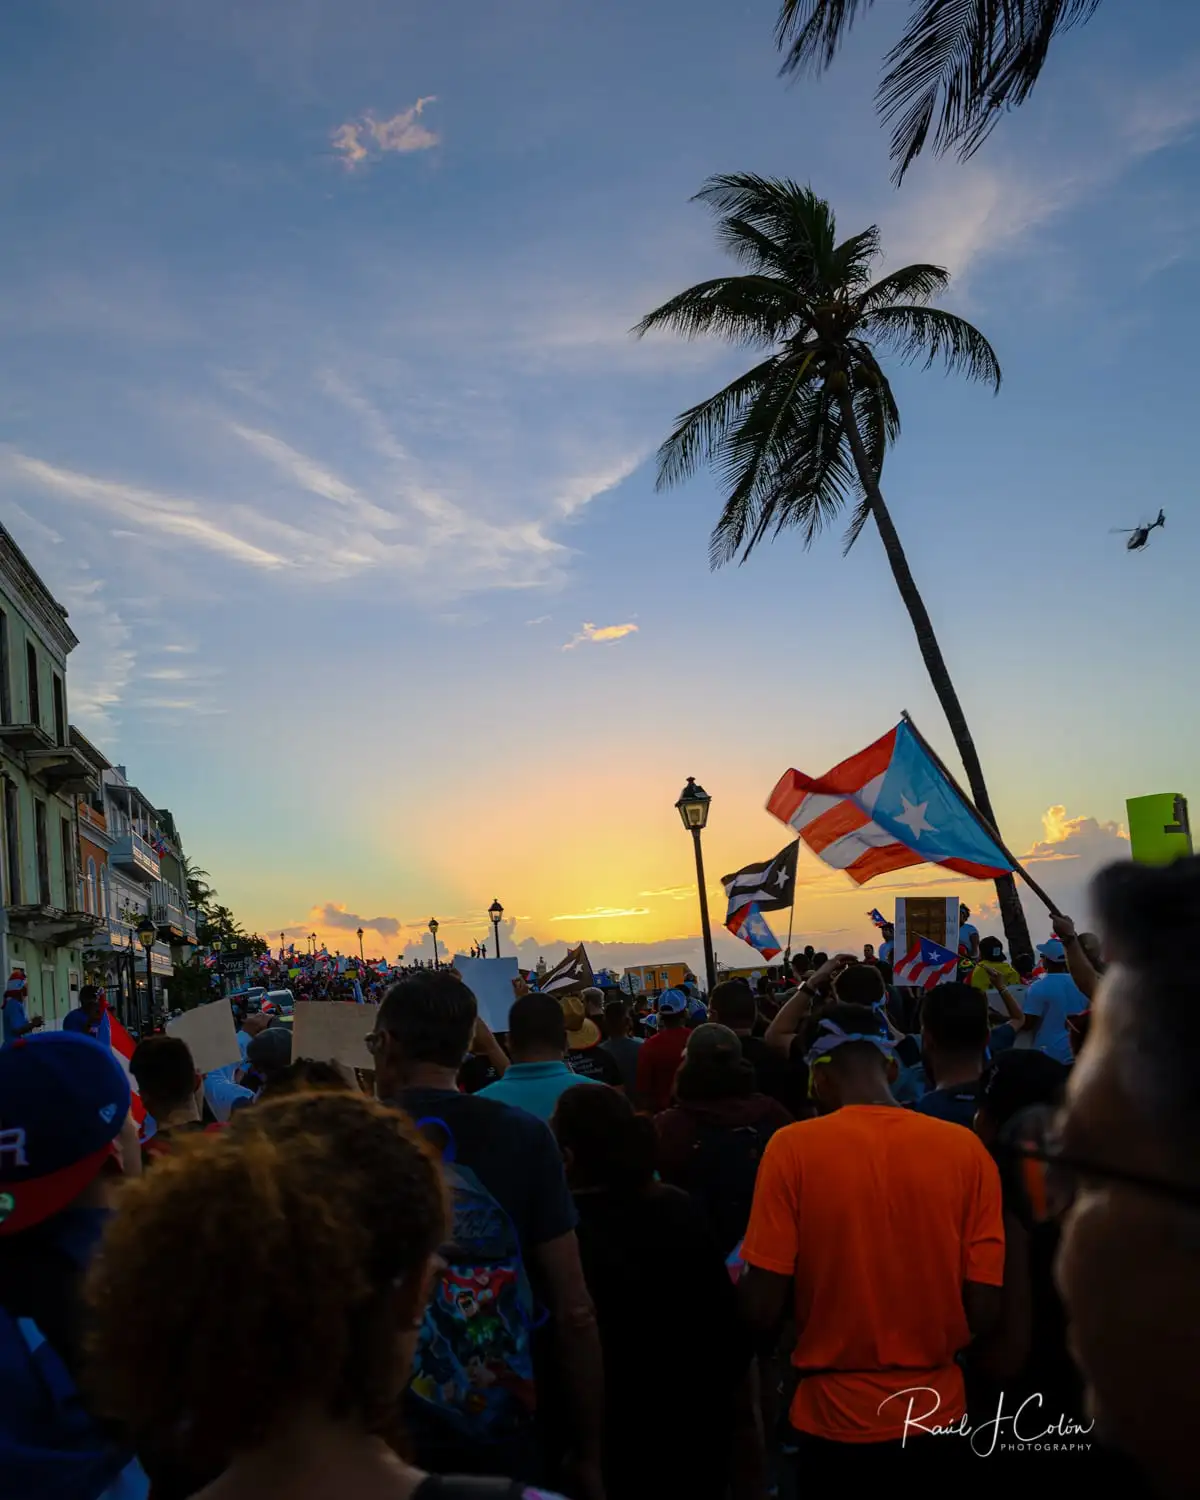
(964, 60)
(199, 892)
(804, 433)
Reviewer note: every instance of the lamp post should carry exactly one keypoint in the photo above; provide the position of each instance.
(693, 810)
(433, 927)
(360, 946)
(496, 911)
(147, 934)
(312, 937)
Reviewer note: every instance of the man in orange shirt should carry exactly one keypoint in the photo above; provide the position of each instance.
(886, 1227)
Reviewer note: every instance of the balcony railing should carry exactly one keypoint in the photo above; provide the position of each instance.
(168, 914)
(136, 857)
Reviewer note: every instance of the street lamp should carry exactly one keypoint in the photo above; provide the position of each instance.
(496, 911)
(693, 811)
(312, 937)
(433, 927)
(147, 935)
(360, 946)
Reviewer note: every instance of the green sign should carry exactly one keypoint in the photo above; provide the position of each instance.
(1159, 832)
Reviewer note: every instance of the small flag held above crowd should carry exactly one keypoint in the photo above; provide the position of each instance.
(878, 918)
(925, 964)
(886, 808)
(570, 977)
(750, 925)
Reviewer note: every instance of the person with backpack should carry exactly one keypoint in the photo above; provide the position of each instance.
(711, 1141)
(511, 1257)
(312, 1226)
(65, 1135)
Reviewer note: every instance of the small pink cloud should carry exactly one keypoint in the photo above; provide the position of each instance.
(356, 140)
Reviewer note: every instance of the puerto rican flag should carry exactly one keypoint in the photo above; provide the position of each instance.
(888, 807)
(751, 926)
(122, 1044)
(925, 964)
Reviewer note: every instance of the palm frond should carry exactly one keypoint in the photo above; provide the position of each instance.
(913, 332)
(965, 61)
(752, 455)
(750, 245)
(743, 309)
(853, 258)
(701, 429)
(878, 420)
(801, 223)
(917, 283)
(813, 30)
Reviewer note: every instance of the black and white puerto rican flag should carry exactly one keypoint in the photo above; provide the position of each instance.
(570, 976)
(770, 886)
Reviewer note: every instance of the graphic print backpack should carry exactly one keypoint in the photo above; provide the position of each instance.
(49, 1445)
(721, 1174)
(473, 1372)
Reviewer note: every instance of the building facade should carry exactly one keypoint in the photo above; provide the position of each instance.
(43, 925)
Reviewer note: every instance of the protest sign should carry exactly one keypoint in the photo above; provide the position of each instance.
(209, 1032)
(932, 917)
(1159, 832)
(333, 1031)
(490, 980)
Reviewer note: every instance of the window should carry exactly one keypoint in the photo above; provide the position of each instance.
(104, 908)
(43, 852)
(91, 896)
(12, 842)
(31, 674)
(66, 840)
(5, 688)
(60, 712)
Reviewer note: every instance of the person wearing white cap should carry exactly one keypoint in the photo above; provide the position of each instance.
(1049, 1001)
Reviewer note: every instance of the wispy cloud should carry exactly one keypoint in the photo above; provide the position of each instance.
(675, 892)
(599, 634)
(541, 620)
(149, 510)
(356, 141)
(598, 913)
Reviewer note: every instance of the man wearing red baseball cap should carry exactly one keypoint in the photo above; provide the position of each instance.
(64, 1129)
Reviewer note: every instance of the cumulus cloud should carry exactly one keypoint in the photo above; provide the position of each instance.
(333, 914)
(357, 140)
(599, 634)
(1077, 838)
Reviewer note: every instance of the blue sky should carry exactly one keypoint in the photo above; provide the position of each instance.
(318, 390)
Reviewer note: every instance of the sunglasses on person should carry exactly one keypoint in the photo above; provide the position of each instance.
(1048, 1178)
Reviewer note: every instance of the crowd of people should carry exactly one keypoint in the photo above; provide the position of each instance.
(721, 1247)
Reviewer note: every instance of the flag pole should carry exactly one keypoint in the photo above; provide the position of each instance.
(787, 952)
(983, 822)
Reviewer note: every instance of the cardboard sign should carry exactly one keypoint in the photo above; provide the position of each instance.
(490, 980)
(1159, 831)
(333, 1031)
(209, 1032)
(932, 917)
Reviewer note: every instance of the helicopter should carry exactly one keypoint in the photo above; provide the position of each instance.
(1139, 535)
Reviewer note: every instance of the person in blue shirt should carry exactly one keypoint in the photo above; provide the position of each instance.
(16, 1021)
(1049, 1001)
(537, 1041)
(88, 1014)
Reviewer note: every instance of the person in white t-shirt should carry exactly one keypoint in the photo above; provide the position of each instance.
(1049, 1001)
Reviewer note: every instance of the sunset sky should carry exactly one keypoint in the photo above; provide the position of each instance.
(319, 411)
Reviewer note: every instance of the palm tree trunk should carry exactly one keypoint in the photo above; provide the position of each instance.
(1016, 930)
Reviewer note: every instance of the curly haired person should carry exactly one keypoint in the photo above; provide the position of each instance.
(311, 1226)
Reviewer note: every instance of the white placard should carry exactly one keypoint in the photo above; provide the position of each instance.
(490, 980)
(333, 1031)
(209, 1032)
